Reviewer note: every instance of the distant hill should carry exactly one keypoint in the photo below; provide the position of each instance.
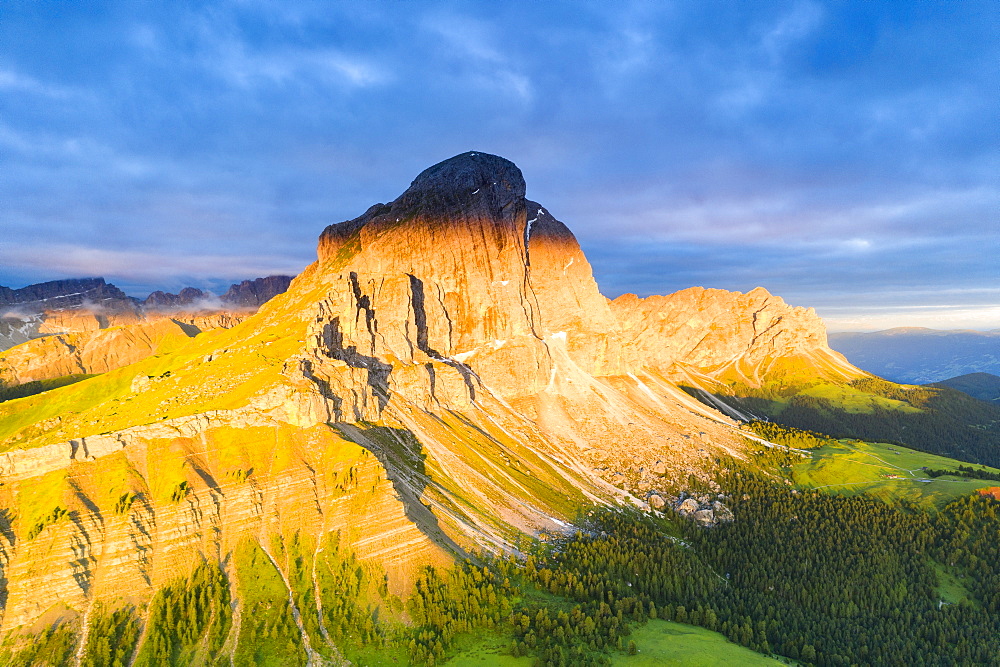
(915, 355)
(984, 386)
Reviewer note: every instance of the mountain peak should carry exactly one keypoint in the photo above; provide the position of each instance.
(480, 179)
(471, 185)
(469, 189)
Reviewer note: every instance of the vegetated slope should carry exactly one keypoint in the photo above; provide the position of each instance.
(984, 386)
(938, 420)
(445, 379)
(891, 472)
(917, 355)
(819, 578)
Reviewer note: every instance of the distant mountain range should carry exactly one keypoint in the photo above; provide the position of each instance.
(914, 355)
(86, 304)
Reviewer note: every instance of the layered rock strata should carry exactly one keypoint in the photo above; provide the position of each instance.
(444, 378)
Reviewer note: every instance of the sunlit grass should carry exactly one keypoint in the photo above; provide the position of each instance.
(888, 471)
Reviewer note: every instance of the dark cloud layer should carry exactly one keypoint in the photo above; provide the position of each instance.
(841, 154)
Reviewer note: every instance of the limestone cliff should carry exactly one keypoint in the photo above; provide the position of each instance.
(749, 338)
(251, 294)
(444, 378)
(88, 352)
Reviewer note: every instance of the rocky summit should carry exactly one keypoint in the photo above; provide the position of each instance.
(443, 380)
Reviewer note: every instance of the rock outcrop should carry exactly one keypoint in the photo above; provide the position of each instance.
(166, 301)
(84, 304)
(252, 294)
(747, 338)
(88, 352)
(704, 512)
(66, 294)
(444, 378)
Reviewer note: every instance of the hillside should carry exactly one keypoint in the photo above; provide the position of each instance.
(375, 461)
(984, 386)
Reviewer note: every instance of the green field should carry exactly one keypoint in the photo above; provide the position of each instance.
(659, 643)
(491, 650)
(667, 643)
(887, 471)
(951, 586)
(852, 400)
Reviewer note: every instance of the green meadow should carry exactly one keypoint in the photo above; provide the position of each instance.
(659, 643)
(887, 471)
(662, 643)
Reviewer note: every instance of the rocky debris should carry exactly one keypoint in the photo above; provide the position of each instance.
(656, 501)
(17, 330)
(704, 512)
(722, 513)
(688, 506)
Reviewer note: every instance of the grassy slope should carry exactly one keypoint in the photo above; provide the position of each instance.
(851, 466)
(929, 418)
(951, 588)
(486, 650)
(662, 643)
(39, 386)
(219, 369)
(855, 401)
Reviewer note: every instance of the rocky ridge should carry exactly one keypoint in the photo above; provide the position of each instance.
(445, 377)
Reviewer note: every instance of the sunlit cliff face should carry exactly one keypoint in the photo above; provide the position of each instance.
(444, 378)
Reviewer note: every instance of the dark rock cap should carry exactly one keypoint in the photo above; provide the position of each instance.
(473, 185)
(471, 182)
(186, 296)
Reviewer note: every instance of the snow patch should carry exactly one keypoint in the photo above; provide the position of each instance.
(497, 344)
(476, 192)
(559, 335)
(462, 356)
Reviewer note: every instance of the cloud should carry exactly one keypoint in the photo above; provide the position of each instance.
(471, 44)
(944, 317)
(18, 83)
(819, 149)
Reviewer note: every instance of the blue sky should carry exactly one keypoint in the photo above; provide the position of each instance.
(844, 155)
